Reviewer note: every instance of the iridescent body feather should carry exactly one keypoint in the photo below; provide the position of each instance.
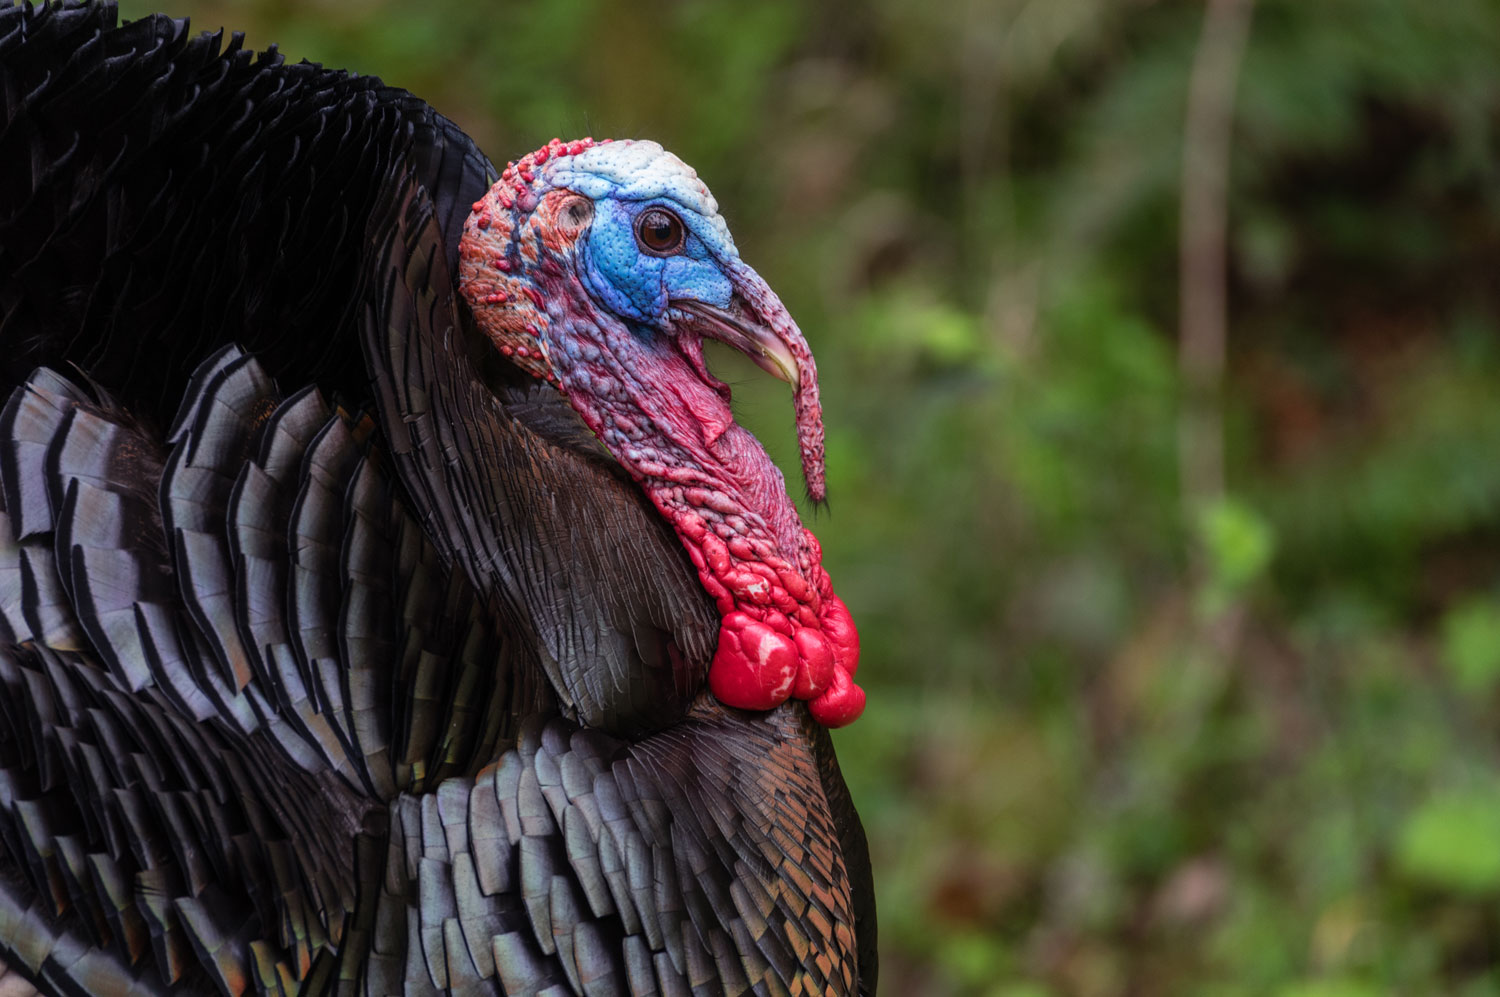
(344, 646)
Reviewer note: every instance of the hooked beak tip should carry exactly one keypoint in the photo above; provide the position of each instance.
(785, 364)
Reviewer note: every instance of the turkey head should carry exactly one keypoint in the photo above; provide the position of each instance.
(601, 267)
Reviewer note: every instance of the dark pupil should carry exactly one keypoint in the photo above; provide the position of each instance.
(659, 230)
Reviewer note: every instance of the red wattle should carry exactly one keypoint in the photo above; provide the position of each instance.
(758, 668)
(754, 667)
(838, 627)
(766, 655)
(817, 666)
(841, 705)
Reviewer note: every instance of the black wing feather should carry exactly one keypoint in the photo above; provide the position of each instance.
(293, 699)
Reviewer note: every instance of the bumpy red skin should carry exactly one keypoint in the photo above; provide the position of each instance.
(784, 633)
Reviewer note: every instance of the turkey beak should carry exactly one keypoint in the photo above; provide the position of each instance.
(758, 325)
(755, 341)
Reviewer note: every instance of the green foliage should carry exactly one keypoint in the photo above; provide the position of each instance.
(1330, 988)
(1471, 644)
(1077, 781)
(1453, 842)
(1238, 544)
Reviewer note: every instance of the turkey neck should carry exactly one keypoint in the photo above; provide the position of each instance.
(666, 419)
(668, 422)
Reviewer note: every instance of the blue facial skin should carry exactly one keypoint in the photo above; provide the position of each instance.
(637, 285)
(625, 179)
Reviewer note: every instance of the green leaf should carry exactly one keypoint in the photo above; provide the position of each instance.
(1453, 842)
(1471, 644)
(1238, 542)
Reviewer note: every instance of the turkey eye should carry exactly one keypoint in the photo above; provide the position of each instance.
(659, 232)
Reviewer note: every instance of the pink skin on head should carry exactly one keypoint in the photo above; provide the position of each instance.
(655, 406)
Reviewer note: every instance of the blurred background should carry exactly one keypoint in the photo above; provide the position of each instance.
(1160, 346)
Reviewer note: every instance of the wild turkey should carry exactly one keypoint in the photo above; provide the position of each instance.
(356, 631)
